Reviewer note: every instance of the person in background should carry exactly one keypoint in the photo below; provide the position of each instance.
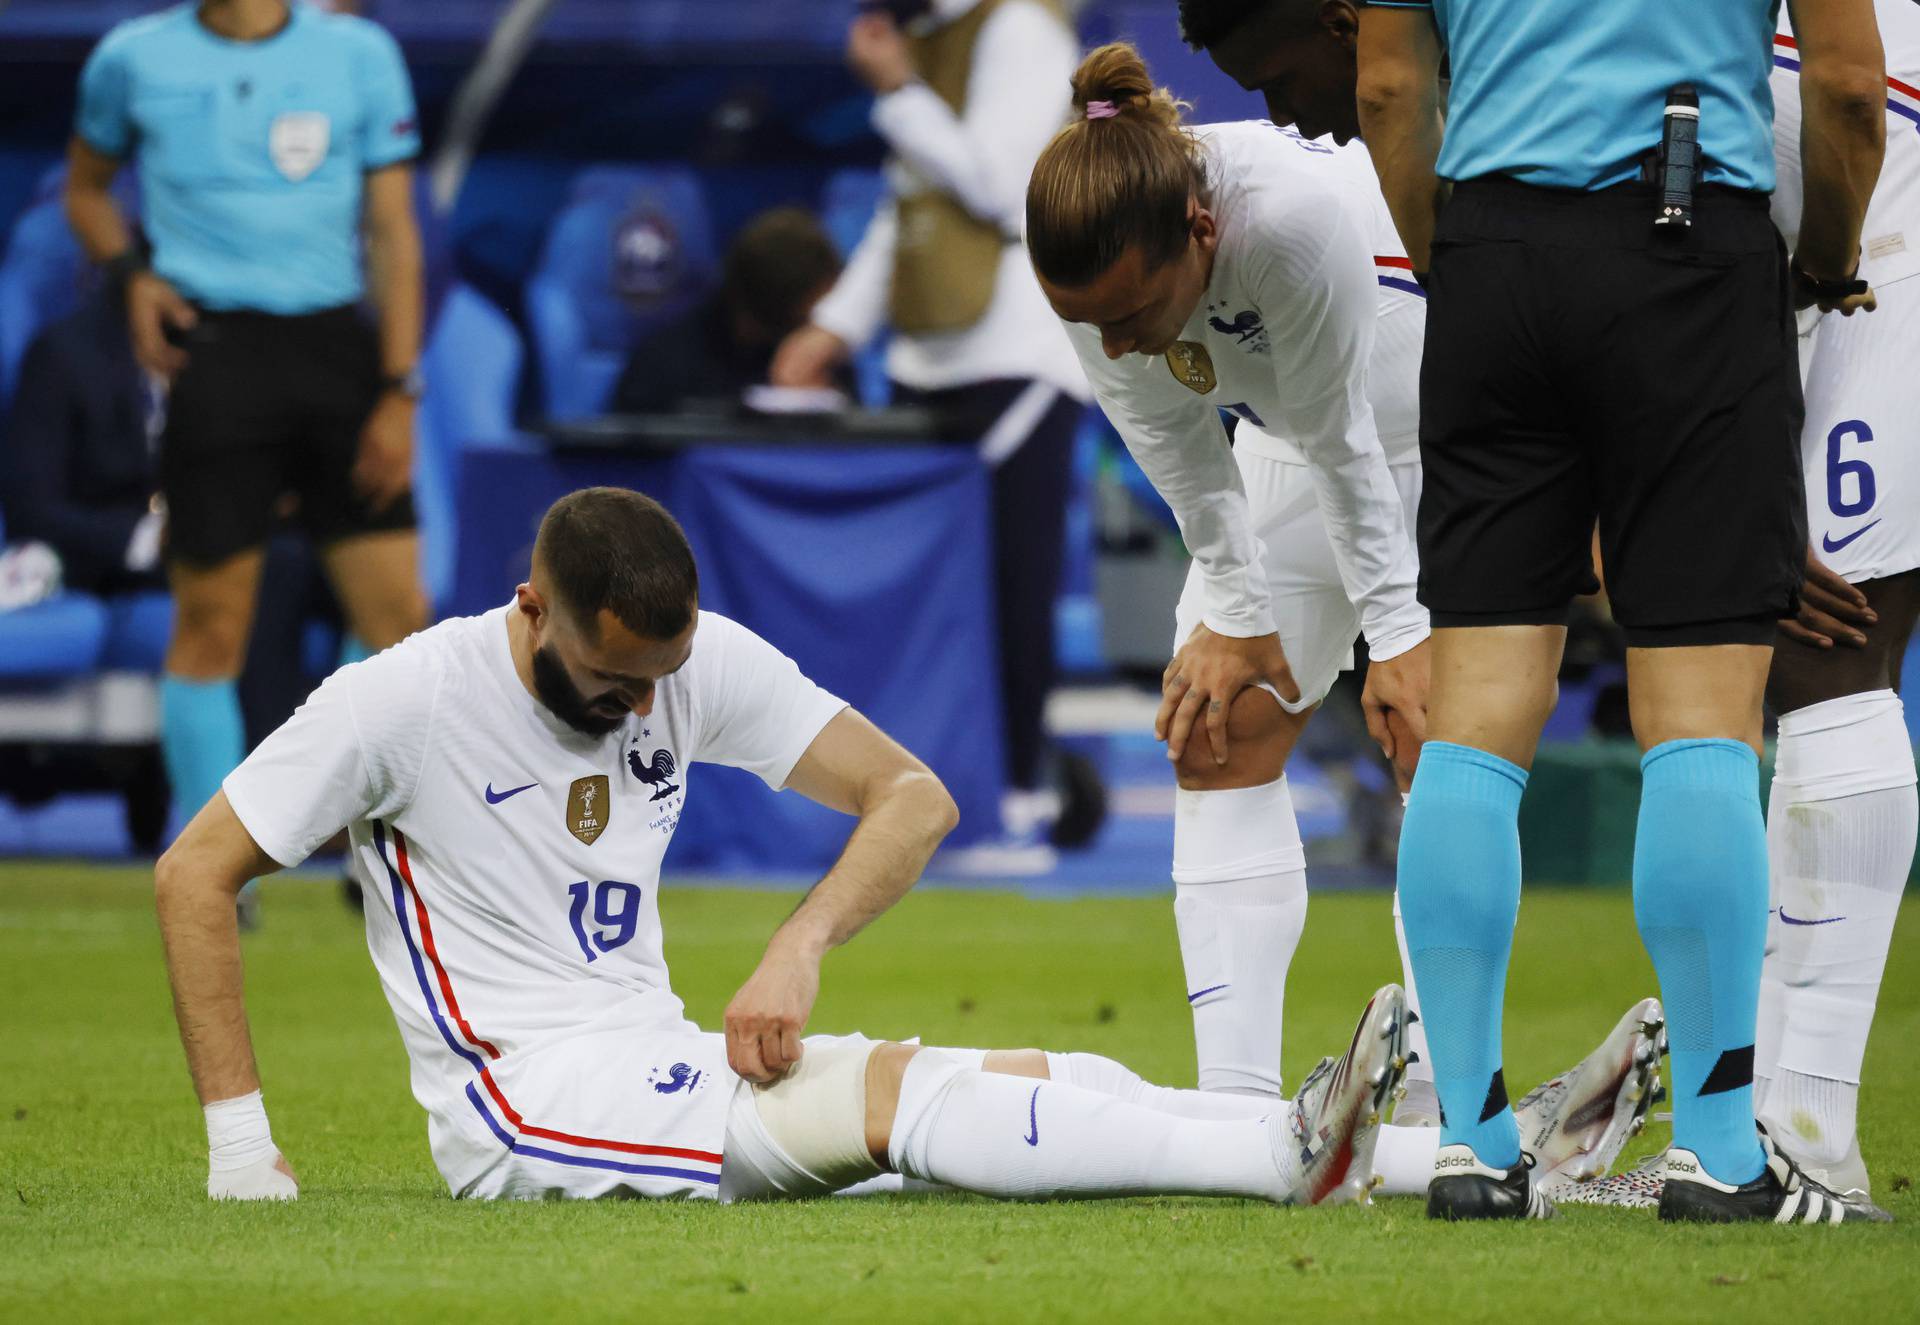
(967, 93)
(273, 142)
(776, 270)
(79, 469)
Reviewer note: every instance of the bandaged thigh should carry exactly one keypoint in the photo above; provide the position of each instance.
(816, 1115)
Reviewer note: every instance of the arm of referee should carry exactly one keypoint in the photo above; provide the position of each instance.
(1398, 97)
(1843, 132)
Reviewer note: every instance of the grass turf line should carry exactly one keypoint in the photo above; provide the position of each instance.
(102, 1154)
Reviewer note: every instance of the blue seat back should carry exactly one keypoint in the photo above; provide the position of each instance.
(632, 250)
(472, 364)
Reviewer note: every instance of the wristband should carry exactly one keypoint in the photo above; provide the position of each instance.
(1830, 292)
(124, 267)
(237, 1133)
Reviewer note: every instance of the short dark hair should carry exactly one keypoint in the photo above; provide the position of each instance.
(777, 266)
(619, 550)
(1205, 23)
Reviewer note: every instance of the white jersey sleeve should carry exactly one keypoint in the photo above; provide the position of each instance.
(1181, 445)
(353, 751)
(754, 708)
(1315, 276)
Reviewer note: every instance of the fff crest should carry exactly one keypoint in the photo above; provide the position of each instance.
(1192, 366)
(589, 807)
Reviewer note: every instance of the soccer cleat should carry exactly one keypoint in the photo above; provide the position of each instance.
(1637, 1188)
(1781, 1194)
(1575, 1124)
(1845, 1176)
(1464, 1188)
(1334, 1124)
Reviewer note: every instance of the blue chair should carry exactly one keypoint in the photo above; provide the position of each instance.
(472, 365)
(53, 640)
(43, 271)
(632, 250)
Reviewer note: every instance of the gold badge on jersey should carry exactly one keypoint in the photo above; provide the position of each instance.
(1192, 366)
(589, 807)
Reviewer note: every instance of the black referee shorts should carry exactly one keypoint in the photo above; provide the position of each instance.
(1580, 368)
(267, 414)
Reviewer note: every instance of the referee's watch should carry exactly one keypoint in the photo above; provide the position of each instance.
(1829, 292)
(412, 384)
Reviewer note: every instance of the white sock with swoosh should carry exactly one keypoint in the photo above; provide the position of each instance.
(1026, 1139)
(1841, 826)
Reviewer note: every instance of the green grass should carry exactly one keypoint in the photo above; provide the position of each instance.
(102, 1155)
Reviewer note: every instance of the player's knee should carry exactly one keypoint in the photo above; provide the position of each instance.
(209, 638)
(1260, 736)
(392, 620)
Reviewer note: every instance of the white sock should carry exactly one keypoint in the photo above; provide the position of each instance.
(1025, 1139)
(1419, 1064)
(1403, 1159)
(1104, 1075)
(1240, 902)
(1841, 824)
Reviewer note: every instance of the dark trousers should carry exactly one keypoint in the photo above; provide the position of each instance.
(1025, 430)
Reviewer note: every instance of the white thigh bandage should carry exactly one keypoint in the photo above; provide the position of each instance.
(806, 1134)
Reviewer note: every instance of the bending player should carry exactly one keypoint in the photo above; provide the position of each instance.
(510, 782)
(1243, 268)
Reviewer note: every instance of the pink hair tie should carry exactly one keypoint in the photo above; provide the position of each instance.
(1101, 110)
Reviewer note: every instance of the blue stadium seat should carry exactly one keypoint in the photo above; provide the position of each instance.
(632, 250)
(472, 365)
(138, 627)
(847, 204)
(52, 640)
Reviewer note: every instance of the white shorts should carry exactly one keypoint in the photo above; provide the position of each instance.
(1317, 621)
(629, 1114)
(1861, 449)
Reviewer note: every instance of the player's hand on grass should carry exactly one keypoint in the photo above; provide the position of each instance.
(807, 358)
(1395, 703)
(383, 469)
(267, 1179)
(153, 306)
(1203, 679)
(1831, 611)
(765, 1019)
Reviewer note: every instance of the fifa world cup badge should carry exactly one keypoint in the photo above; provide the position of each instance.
(1192, 366)
(588, 808)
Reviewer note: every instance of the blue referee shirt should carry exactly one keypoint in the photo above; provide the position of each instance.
(251, 154)
(1570, 93)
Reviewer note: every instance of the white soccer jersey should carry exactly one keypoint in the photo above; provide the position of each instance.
(511, 867)
(1890, 239)
(1283, 339)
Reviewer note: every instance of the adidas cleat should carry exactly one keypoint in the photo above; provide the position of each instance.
(1800, 1138)
(1782, 1194)
(1576, 1124)
(1464, 1188)
(1637, 1188)
(1334, 1124)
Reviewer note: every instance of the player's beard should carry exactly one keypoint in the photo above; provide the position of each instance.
(558, 692)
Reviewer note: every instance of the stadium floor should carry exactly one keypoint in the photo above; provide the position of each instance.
(102, 1218)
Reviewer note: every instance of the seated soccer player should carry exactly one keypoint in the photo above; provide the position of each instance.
(510, 782)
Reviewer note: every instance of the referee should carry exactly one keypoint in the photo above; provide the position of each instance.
(271, 140)
(1611, 339)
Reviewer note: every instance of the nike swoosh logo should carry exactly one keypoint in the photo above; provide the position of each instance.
(1830, 920)
(1832, 544)
(1202, 993)
(1032, 1138)
(495, 797)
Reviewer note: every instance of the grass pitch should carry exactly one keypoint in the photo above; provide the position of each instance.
(102, 1155)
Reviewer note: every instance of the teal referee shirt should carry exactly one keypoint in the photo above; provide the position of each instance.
(1570, 93)
(252, 154)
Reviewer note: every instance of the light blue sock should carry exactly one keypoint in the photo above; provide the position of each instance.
(1459, 895)
(1700, 899)
(202, 739)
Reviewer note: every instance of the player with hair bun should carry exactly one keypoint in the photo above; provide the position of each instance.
(1245, 272)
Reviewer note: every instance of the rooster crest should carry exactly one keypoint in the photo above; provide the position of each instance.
(657, 774)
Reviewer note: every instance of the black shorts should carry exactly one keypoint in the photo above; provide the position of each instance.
(1580, 368)
(265, 420)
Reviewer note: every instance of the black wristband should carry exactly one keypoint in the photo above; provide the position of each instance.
(1830, 292)
(123, 267)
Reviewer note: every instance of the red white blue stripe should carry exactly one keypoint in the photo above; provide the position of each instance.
(1397, 274)
(502, 1119)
